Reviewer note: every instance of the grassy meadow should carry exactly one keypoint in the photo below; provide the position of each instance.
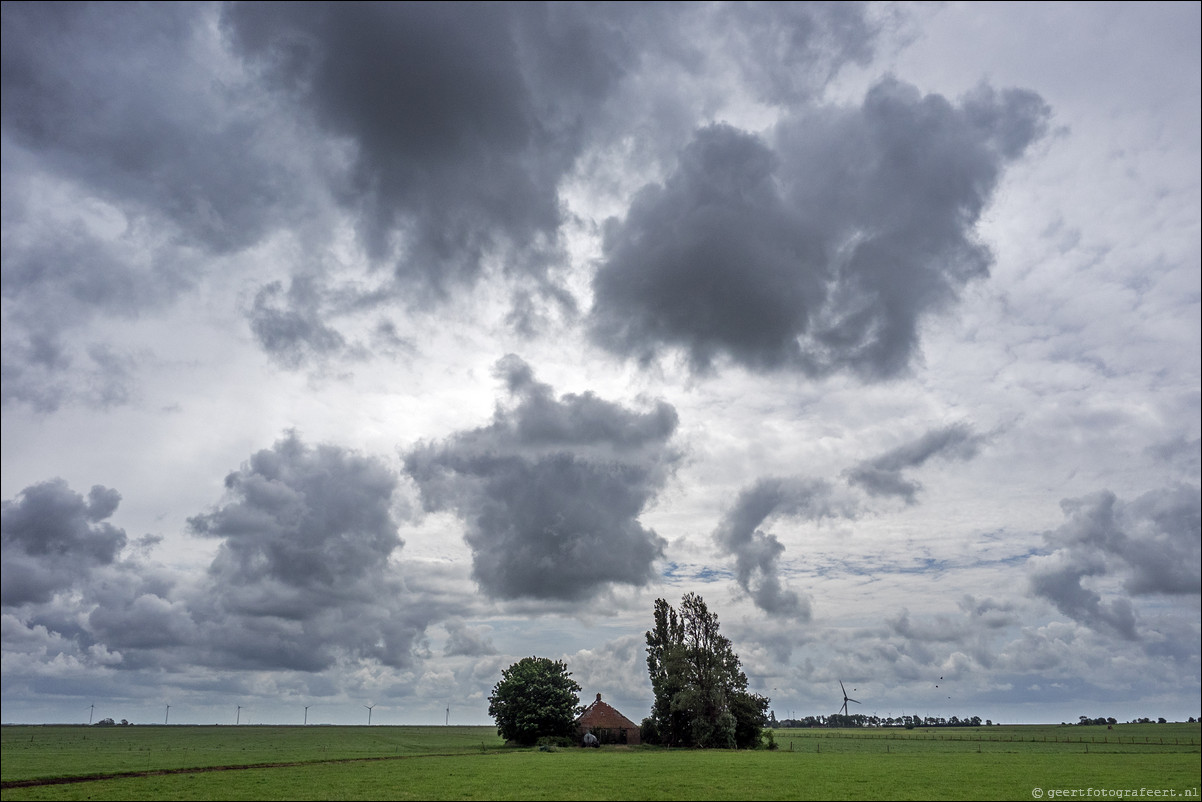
(256, 762)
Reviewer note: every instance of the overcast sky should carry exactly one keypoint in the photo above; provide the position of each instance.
(352, 353)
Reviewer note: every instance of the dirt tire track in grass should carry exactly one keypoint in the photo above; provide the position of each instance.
(125, 775)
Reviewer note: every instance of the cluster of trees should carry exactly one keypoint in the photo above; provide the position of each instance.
(108, 722)
(701, 696)
(1099, 720)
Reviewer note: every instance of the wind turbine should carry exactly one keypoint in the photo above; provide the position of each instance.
(238, 717)
(369, 707)
(91, 712)
(307, 715)
(846, 698)
(167, 714)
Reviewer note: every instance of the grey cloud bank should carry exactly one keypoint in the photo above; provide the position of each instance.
(1151, 542)
(822, 253)
(302, 576)
(881, 476)
(53, 537)
(552, 490)
(877, 332)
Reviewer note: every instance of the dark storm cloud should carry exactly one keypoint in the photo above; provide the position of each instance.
(1164, 541)
(467, 640)
(125, 156)
(305, 517)
(461, 121)
(49, 266)
(790, 51)
(57, 277)
(69, 582)
(989, 613)
(302, 575)
(54, 538)
(882, 476)
(45, 373)
(820, 248)
(457, 148)
(1182, 452)
(757, 553)
(979, 619)
(457, 121)
(444, 131)
(139, 623)
(708, 261)
(1059, 581)
(1153, 544)
(551, 491)
(118, 97)
(289, 326)
(927, 648)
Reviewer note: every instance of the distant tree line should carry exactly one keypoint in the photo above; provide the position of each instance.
(910, 722)
(862, 720)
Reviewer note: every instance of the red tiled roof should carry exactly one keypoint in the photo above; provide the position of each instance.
(602, 716)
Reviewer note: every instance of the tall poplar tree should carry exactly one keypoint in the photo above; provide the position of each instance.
(701, 696)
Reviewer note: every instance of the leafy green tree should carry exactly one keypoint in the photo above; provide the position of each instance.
(536, 697)
(701, 696)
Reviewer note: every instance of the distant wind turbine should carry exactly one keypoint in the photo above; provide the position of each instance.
(167, 714)
(307, 715)
(91, 712)
(846, 698)
(238, 717)
(369, 707)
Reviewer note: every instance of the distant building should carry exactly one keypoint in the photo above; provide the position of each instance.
(605, 722)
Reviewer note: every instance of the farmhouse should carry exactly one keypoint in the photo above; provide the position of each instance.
(610, 726)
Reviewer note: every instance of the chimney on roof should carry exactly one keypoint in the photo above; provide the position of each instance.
(598, 697)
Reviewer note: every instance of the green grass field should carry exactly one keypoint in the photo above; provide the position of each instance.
(471, 763)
